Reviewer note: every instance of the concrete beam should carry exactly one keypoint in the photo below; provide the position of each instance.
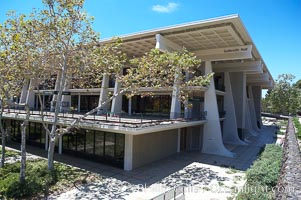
(228, 53)
(264, 76)
(165, 44)
(250, 67)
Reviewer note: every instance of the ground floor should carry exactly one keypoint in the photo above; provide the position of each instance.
(200, 173)
(116, 149)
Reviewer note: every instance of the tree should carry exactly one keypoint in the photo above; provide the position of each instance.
(72, 50)
(285, 97)
(68, 31)
(155, 69)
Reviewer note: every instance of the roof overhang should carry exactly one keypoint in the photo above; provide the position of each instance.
(223, 40)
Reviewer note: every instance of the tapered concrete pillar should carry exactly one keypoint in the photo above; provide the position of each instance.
(56, 88)
(24, 91)
(175, 108)
(128, 152)
(117, 101)
(252, 109)
(257, 103)
(230, 134)
(66, 99)
(30, 98)
(103, 94)
(212, 136)
(238, 86)
(248, 123)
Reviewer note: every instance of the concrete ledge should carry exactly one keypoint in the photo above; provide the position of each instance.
(289, 186)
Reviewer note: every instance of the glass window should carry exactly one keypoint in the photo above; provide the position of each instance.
(119, 148)
(89, 141)
(99, 143)
(81, 140)
(110, 145)
(74, 102)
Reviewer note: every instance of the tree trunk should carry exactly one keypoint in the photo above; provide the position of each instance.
(3, 149)
(53, 133)
(2, 138)
(23, 144)
(50, 154)
(23, 152)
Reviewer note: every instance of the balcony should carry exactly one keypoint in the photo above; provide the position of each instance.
(116, 122)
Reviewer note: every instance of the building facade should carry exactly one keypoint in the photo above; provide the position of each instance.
(146, 129)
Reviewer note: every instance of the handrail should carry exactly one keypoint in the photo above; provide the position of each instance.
(178, 192)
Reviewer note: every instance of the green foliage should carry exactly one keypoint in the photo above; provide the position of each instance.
(263, 174)
(285, 98)
(298, 127)
(39, 179)
(9, 153)
(163, 69)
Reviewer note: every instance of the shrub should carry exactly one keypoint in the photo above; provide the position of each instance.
(298, 127)
(39, 180)
(263, 174)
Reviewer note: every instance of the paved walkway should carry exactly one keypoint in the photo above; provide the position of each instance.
(194, 165)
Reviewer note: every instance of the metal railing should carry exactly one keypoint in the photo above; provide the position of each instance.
(177, 193)
(136, 120)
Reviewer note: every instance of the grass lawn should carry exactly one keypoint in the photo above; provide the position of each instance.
(39, 181)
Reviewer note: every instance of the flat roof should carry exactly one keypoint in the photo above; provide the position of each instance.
(209, 34)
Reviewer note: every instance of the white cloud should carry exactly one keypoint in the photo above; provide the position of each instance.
(170, 7)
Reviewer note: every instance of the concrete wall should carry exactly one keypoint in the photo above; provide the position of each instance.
(154, 146)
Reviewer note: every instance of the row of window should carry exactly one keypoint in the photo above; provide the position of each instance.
(95, 145)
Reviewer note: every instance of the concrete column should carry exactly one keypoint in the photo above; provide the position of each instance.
(179, 141)
(248, 122)
(24, 91)
(175, 108)
(60, 144)
(230, 126)
(186, 110)
(78, 104)
(130, 107)
(117, 101)
(46, 141)
(238, 86)
(30, 98)
(252, 109)
(257, 102)
(128, 153)
(186, 103)
(103, 94)
(212, 136)
(56, 88)
(66, 99)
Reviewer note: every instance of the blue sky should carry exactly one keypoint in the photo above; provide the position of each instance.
(274, 25)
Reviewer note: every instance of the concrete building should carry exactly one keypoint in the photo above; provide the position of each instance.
(228, 111)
